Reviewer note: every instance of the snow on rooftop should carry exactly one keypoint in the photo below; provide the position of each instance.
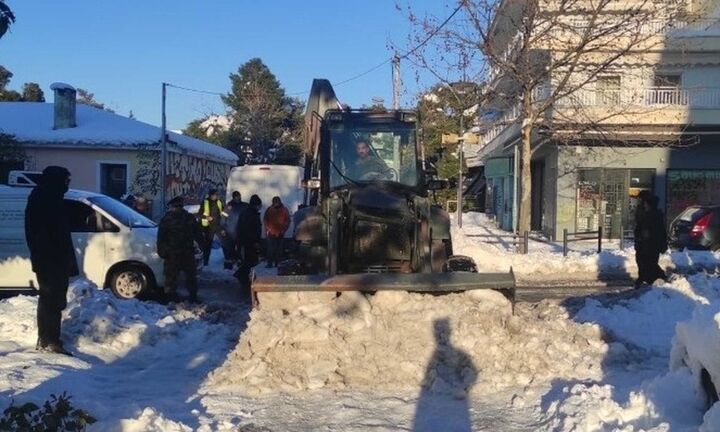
(33, 122)
(61, 86)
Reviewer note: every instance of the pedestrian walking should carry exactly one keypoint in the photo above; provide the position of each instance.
(650, 239)
(177, 233)
(233, 208)
(47, 232)
(210, 214)
(276, 222)
(248, 231)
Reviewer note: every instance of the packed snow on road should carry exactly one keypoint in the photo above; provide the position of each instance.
(393, 361)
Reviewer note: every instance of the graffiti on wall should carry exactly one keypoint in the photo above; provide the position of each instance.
(147, 176)
(192, 177)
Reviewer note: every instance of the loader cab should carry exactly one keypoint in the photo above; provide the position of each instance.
(369, 147)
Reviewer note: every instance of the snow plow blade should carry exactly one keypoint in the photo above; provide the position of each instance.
(434, 283)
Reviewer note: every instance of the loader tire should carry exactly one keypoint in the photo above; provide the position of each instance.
(441, 251)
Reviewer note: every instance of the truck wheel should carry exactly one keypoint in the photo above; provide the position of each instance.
(128, 282)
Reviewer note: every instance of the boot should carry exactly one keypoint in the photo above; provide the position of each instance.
(57, 348)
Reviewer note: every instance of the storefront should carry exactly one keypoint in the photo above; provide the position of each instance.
(499, 195)
(688, 187)
(607, 198)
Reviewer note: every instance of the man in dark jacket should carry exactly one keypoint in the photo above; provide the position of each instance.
(177, 233)
(248, 232)
(211, 213)
(233, 208)
(47, 231)
(650, 239)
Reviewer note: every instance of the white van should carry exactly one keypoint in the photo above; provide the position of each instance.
(268, 181)
(114, 245)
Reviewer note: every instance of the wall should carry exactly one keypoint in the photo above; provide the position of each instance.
(192, 177)
(82, 163)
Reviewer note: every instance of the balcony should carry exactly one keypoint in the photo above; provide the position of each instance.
(639, 106)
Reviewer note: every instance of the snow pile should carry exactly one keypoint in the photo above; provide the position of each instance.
(649, 320)
(403, 341)
(603, 407)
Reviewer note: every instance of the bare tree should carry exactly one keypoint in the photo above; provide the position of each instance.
(552, 68)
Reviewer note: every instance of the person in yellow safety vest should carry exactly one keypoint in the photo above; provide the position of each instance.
(211, 214)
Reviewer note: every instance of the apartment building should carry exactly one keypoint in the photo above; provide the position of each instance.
(650, 120)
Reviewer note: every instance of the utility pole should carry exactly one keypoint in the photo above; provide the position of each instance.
(397, 83)
(163, 150)
(461, 145)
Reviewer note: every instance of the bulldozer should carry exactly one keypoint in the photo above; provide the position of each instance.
(367, 223)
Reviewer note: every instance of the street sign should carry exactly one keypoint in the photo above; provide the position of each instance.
(470, 138)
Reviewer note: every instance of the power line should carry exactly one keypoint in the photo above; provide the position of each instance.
(196, 90)
(362, 74)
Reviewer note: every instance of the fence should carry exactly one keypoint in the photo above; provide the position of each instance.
(569, 237)
(626, 235)
(521, 242)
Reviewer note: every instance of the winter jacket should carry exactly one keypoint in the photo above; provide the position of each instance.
(47, 226)
(233, 210)
(276, 220)
(214, 209)
(650, 232)
(177, 232)
(249, 227)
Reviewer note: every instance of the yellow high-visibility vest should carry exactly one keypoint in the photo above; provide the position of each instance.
(206, 212)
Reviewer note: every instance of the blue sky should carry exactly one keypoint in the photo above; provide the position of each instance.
(122, 50)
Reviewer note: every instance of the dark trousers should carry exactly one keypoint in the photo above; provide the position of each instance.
(248, 261)
(230, 250)
(173, 265)
(648, 269)
(275, 250)
(208, 237)
(51, 302)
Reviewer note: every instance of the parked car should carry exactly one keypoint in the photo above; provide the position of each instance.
(115, 246)
(697, 227)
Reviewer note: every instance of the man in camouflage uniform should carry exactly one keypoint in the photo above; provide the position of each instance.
(367, 165)
(177, 233)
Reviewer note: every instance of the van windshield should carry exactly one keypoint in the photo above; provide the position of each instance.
(122, 213)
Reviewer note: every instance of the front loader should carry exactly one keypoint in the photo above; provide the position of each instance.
(374, 229)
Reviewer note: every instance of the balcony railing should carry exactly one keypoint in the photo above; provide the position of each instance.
(702, 98)
(616, 99)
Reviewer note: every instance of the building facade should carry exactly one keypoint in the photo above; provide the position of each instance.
(112, 154)
(651, 121)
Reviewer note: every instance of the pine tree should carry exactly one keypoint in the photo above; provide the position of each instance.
(258, 107)
(86, 98)
(6, 18)
(32, 93)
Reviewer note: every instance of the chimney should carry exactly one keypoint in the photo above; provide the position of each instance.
(64, 105)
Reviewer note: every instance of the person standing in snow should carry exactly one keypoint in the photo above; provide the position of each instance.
(211, 213)
(276, 221)
(177, 232)
(249, 230)
(650, 239)
(233, 208)
(47, 232)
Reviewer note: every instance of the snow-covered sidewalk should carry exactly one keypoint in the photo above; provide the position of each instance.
(545, 261)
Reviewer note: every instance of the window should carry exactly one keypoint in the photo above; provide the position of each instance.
(82, 217)
(608, 90)
(113, 179)
(364, 154)
(122, 213)
(667, 80)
